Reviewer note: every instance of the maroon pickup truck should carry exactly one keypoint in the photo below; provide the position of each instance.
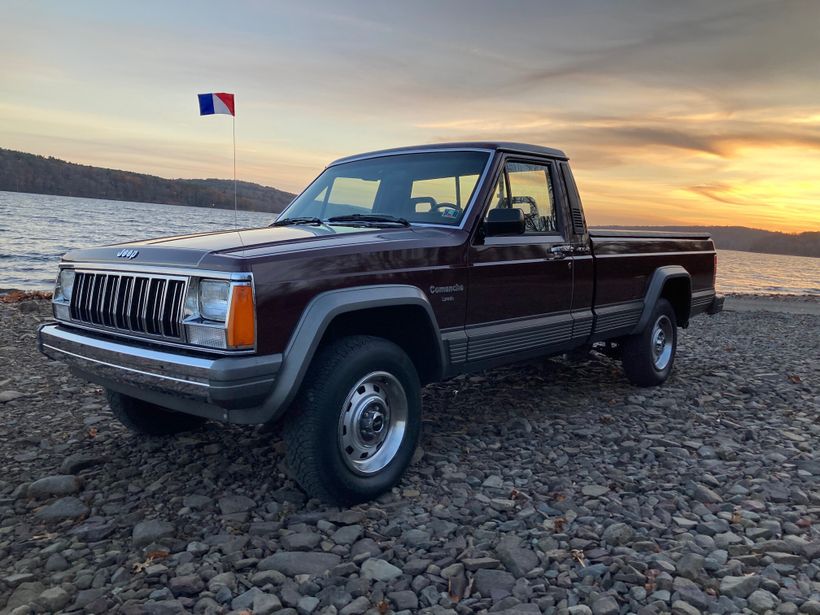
(391, 270)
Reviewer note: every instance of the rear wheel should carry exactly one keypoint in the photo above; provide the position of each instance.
(648, 356)
(355, 421)
(149, 419)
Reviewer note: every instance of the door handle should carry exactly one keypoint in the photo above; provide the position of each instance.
(561, 251)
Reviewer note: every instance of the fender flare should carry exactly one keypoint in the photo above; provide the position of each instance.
(311, 327)
(653, 292)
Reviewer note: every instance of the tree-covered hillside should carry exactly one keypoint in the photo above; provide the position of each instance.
(21, 172)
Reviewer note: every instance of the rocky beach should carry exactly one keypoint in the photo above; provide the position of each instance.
(552, 487)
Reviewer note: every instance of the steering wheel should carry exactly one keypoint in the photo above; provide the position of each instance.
(423, 199)
(443, 205)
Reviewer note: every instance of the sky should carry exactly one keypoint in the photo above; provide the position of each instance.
(686, 112)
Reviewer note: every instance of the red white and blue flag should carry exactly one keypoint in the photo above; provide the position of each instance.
(219, 102)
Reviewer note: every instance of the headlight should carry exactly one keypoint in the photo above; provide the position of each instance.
(213, 299)
(220, 314)
(207, 300)
(65, 285)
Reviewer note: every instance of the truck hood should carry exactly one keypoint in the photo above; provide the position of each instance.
(221, 250)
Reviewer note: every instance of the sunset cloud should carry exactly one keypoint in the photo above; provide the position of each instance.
(682, 113)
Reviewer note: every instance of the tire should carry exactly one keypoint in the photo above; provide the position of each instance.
(649, 356)
(149, 419)
(355, 422)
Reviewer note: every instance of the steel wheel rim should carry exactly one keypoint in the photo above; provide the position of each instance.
(372, 423)
(662, 340)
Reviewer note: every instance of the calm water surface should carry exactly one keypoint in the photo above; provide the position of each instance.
(35, 230)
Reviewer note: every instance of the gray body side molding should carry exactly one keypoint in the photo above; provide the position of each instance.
(308, 332)
(653, 293)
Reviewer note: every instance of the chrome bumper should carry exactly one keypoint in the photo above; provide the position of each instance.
(184, 382)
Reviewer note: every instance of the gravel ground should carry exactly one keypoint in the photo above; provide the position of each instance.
(549, 488)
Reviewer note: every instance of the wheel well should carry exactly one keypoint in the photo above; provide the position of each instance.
(678, 292)
(407, 326)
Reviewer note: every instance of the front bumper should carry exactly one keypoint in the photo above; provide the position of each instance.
(191, 383)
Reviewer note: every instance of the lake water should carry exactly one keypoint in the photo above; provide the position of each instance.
(35, 230)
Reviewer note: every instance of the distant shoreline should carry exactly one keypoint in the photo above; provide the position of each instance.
(133, 202)
(745, 239)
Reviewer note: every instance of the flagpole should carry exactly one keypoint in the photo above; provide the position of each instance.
(235, 214)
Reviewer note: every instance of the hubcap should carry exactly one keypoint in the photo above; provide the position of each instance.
(372, 423)
(662, 338)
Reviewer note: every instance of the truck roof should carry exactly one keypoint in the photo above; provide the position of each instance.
(505, 146)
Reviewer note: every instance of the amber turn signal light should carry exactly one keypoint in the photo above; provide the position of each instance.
(242, 318)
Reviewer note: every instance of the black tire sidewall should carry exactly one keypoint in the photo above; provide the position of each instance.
(638, 359)
(327, 398)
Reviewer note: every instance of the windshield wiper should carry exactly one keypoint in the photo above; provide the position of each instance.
(369, 219)
(298, 220)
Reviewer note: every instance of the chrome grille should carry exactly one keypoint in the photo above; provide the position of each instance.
(145, 304)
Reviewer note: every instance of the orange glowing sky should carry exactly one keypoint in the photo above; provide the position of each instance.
(692, 112)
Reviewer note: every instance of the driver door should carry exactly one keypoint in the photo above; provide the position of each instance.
(520, 286)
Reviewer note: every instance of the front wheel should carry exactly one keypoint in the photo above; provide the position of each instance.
(356, 420)
(648, 356)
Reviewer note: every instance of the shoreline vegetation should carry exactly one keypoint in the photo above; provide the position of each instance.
(33, 174)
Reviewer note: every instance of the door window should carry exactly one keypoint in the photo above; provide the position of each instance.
(530, 188)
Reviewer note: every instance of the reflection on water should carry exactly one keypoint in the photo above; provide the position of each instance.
(751, 272)
(35, 230)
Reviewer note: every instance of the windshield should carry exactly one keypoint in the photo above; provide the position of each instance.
(431, 187)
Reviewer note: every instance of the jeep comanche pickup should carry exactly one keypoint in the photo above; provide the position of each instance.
(391, 270)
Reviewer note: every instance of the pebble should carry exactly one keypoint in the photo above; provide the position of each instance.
(153, 530)
(705, 494)
(380, 570)
(690, 565)
(487, 581)
(404, 600)
(54, 598)
(235, 504)
(618, 534)
(761, 601)
(594, 491)
(6, 396)
(739, 587)
(605, 605)
(54, 486)
(292, 563)
(347, 535)
(62, 509)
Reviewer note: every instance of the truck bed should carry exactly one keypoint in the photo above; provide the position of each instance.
(625, 262)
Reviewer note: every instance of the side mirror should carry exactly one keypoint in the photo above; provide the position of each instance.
(505, 221)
